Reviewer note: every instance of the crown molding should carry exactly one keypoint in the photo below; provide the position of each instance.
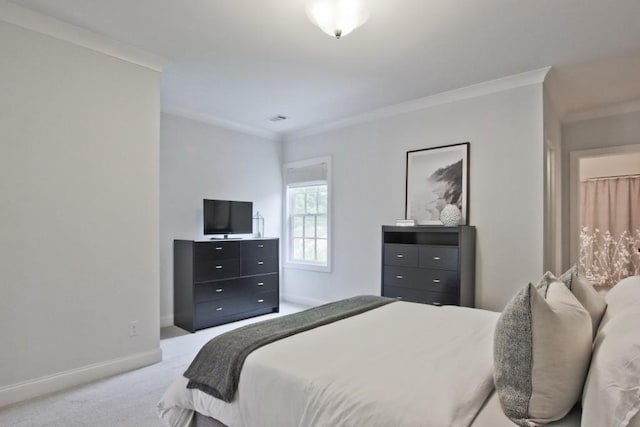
(43, 24)
(598, 113)
(551, 91)
(222, 123)
(473, 91)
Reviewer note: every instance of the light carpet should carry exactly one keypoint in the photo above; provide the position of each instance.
(125, 400)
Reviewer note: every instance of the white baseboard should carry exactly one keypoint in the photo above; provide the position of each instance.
(166, 320)
(44, 385)
(296, 299)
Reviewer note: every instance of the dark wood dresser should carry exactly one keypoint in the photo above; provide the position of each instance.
(429, 264)
(220, 281)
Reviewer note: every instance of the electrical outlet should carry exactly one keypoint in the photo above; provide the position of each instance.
(133, 328)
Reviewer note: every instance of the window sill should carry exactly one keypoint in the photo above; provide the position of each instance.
(308, 267)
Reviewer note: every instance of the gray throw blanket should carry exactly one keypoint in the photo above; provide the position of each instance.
(216, 369)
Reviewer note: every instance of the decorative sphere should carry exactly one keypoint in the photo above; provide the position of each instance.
(450, 215)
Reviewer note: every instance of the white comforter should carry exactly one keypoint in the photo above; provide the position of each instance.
(403, 364)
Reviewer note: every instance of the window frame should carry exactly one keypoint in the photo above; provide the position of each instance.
(289, 262)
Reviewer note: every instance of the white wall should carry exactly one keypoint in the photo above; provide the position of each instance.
(595, 134)
(79, 133)
(506, 191)
(200, 161)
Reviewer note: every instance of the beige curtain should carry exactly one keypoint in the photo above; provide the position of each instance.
(610, 229)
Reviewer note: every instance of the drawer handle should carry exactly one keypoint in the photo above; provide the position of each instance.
(260, 262)
(218, 267)
(399, 276)
(218, 248)
(436, 303)
(260, 300)
(436, 258)
(436, 280)
(261, 246)
(219, 309)
(218, 290)
(260, 283)
(400, 256)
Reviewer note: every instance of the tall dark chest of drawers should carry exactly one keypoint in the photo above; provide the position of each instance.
(216, 282)
(429, 264)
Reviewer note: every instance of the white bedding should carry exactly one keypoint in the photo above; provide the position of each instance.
(401, 364)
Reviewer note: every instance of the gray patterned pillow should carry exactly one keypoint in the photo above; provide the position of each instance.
(542, 349)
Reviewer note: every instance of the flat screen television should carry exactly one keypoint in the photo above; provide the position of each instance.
(227, 217)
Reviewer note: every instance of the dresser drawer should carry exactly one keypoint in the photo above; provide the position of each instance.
(421, 278)
(261, 301)
(211, 311)
(401, 255)
(216, 250)
(424, 297)
(441, 257)
(222, 289)
(215, 312)
(216, 270)
(259, 266)
(259, 249)
(217, 290)
(262, 283)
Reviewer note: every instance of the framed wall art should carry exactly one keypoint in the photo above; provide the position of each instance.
(438, 178)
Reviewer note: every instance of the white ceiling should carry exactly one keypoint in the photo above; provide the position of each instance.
(245, 61)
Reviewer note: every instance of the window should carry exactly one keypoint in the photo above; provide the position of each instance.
(308, 223)
(308, 214)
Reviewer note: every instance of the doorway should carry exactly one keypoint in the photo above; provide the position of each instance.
(605, 218)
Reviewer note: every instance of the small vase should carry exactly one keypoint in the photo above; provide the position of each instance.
(450, 215)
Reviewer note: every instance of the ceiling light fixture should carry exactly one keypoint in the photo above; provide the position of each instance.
(337, 17)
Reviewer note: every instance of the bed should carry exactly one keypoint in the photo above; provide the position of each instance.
(401, 364)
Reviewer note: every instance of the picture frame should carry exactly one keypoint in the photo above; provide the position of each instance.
(435, 178)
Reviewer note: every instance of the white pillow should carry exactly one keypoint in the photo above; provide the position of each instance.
(625, 294)
(544, 282)
(583, 290)
(611, 394)
(541, 354)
